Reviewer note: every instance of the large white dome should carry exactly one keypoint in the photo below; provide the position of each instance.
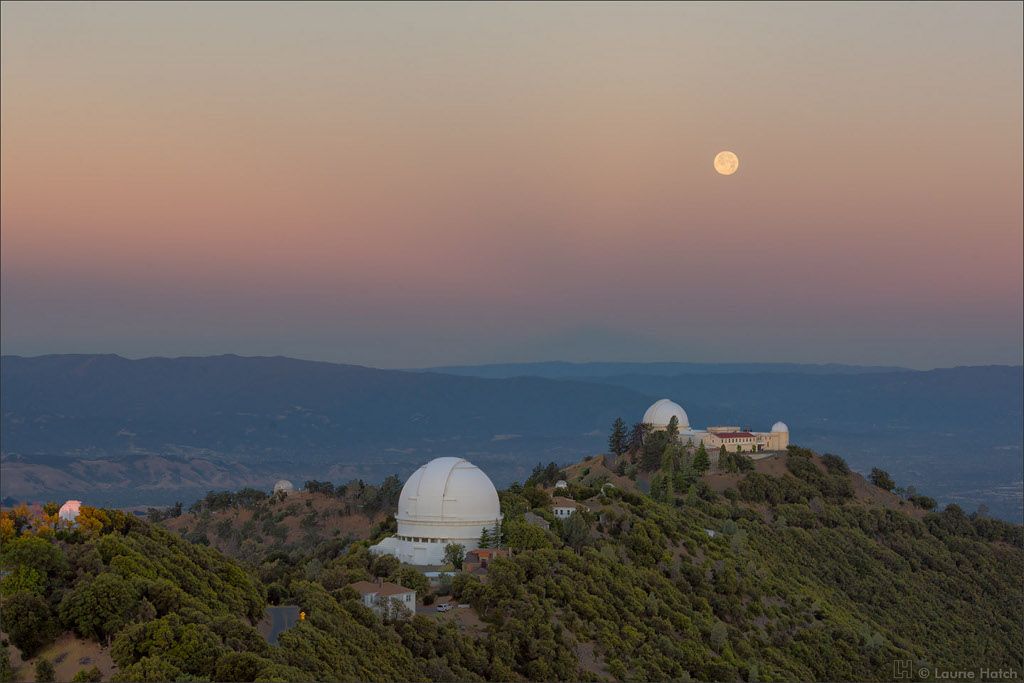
(662, 412)
(780, 427)
(448, 498)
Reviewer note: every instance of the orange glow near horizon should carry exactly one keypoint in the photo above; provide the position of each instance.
(402, 185)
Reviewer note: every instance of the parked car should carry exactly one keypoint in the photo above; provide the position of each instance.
(444, 607)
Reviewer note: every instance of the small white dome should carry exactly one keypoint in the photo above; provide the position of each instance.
(283, 485)
(561, 484)
(446, 494)
(662, 412)
(780, 427)
(69, 510)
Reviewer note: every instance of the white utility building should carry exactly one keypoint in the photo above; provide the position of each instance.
(448, 500)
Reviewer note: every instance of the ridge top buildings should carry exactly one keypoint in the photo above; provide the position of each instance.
(451, 500)
(661, 412)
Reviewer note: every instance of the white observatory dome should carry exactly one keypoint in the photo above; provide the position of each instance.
(780, 427)
(284, 485)
(69, 510)
(447, 498)
(662, 412)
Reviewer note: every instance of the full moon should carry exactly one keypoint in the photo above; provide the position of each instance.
(726, 163)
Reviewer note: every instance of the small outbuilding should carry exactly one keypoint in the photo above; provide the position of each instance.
(536, 520)
(564, 507)
(481, 557)
(385, 598)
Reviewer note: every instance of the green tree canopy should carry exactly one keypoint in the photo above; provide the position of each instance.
(44, 671)
(28, 620)
(100, 608)
(881, 479)
(455, 554)
(618, 440)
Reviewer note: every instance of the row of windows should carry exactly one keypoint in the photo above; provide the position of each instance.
(416, 539)
(381, 601)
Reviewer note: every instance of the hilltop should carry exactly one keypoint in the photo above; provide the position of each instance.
(791, 568)
(596, 470)
(250, 524)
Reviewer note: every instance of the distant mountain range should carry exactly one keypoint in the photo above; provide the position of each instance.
(158, 429)
(565, 370)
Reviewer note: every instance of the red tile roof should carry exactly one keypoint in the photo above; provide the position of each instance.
(734, 435)
(386, 588)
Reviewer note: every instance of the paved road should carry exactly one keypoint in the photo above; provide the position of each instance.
(282, 618)
(429, 609)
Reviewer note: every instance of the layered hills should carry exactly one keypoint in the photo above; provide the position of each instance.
(153, 431)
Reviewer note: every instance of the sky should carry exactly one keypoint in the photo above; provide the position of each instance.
(405, 185)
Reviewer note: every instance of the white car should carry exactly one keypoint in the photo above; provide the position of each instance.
(444, 607)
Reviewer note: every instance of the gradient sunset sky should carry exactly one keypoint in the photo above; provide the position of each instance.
(403, 185)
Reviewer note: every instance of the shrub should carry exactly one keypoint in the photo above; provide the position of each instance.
(924, 502)
(6, 670)
(44, 671)
(835, 464)
(93, 675)
(881, 479)
(238, 666)
(28, 621)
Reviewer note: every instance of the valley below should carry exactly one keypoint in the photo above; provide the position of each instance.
(121, 432)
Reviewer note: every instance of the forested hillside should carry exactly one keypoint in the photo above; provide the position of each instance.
(785, 576)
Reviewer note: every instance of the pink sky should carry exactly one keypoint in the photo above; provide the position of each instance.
(404, 185)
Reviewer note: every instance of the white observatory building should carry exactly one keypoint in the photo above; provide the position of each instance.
(69, 511)
(662, 412)
(731, 437)
(448, 500)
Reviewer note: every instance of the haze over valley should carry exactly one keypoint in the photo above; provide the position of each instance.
(149, 432)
